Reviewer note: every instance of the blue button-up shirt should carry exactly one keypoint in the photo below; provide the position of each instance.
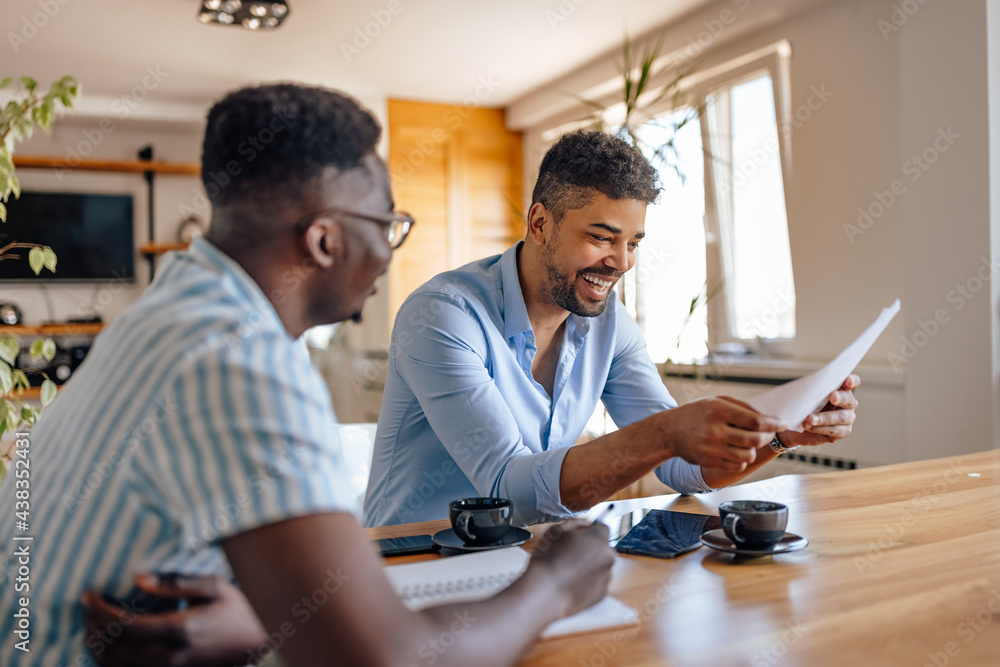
(462, 415)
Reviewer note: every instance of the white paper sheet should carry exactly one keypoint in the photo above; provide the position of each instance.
(796, 400)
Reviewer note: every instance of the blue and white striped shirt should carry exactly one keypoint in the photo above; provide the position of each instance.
(194, 418)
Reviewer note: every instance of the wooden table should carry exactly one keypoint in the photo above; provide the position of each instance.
(902, 568)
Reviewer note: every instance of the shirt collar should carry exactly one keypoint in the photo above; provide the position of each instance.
(515, 314)
(207, 254)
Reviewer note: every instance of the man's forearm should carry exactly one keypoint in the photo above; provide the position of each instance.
(595, 470)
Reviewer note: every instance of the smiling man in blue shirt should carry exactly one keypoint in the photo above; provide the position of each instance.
(495, 368)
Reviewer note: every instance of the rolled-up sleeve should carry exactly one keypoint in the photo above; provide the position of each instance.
(445, 361)
(534, 478)
(634, 391)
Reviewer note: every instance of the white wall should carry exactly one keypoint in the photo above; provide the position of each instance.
(993, 37)
(950, 385)
(892, 88)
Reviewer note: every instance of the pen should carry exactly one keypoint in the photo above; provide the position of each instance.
(604, 513)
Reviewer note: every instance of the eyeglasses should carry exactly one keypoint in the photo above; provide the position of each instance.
(396, 225)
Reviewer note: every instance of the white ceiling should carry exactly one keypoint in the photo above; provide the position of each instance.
(434, 50)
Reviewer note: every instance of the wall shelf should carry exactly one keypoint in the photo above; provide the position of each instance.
(60, 329)
(127, 166)
(30, 394)
(153, 249)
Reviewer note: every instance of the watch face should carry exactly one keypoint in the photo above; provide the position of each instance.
(9, 314)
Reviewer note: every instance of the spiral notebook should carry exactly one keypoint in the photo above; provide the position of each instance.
(477, 576)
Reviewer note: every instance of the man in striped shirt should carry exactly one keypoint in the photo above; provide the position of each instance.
(198, 437)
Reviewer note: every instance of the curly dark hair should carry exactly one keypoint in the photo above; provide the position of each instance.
(585, 161)
(276, 139)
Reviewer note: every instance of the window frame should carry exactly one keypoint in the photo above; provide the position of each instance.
(775, 62)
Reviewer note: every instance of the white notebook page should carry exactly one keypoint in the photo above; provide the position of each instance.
(477, 576)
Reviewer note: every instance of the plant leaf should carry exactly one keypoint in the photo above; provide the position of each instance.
(6, 164)
(3, 213)
(48, 349)
(47, 115)
(28, 83)
(49, 258)
(5, 82)
(20, 379)
(36, 260)
(48, 392)
(6, 379)
(9, 349)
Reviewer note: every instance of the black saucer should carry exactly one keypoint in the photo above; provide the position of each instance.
(716, 539)
(447, 539)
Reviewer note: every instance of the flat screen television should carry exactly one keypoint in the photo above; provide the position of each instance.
(91, 235)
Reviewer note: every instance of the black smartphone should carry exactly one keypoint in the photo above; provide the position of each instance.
(404, 546)
(664, 533)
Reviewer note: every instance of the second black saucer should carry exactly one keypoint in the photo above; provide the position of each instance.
(716, 539)
(447, 539)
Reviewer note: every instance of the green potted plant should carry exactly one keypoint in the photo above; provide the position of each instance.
(18, 119)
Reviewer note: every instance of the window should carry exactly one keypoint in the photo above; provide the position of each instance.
(754, 255)
(715, 271)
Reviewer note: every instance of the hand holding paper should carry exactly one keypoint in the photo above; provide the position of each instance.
(834, 421)
(796, 400)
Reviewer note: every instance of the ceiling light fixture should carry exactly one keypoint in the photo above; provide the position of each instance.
(251, 14)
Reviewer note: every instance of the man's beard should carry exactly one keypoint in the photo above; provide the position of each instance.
(562, 289)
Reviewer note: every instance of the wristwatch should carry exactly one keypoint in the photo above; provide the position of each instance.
(776, 446)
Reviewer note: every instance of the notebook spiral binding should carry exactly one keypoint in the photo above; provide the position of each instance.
(439, 588)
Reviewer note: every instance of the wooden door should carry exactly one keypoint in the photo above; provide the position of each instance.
(458, 171)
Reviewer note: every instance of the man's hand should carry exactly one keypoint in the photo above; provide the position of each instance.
(575, 554)
(720, 433)
(218, 629)
(834, 422)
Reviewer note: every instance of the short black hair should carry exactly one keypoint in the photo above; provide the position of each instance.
(584, 161)
(276, 139)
